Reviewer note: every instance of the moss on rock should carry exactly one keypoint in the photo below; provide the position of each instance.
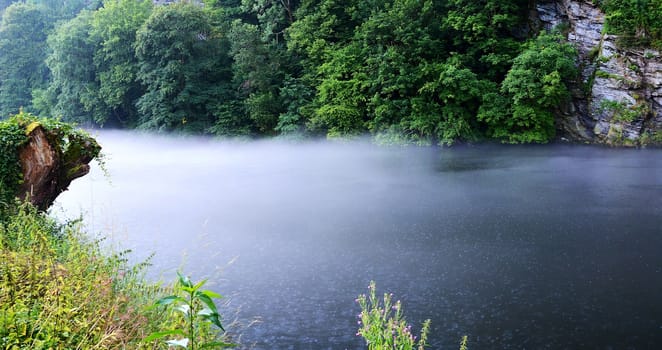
(41, 157)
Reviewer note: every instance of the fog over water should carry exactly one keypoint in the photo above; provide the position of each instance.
(548, 247)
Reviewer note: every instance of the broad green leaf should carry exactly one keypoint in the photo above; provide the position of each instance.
(169, 300)
(184, 280)
(214, 318)
(205, 312)
(207, 301)
(199, 284)
(211, 294)
(159, 335)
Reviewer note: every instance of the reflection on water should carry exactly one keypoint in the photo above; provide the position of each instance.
(518, 247)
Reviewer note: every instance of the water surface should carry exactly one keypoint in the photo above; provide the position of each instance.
(551, 247)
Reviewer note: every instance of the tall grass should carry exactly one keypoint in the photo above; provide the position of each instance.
(58, 290)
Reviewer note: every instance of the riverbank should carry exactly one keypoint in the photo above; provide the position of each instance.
(59, 290)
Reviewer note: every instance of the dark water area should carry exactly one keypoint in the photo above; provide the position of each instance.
(549, 247)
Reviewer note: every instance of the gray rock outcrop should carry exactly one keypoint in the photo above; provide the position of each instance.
(619, 98)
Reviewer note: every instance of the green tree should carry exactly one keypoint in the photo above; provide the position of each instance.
(114, 28)
(259, 69)
(23, 33)
(257, 74)
(403, 47)
(296, 97)
(337, 49)
(320, 28)
(184, 65)
(72, 91)
(320, 25)
(341, 97)
(59, 10)
(230, 119)
(482, 33)
(534, 87)
(395, 77)
(448, 103)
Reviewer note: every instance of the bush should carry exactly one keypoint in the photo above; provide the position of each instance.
(58, 291)
(534, 87)
(383, 325)
(197, 317)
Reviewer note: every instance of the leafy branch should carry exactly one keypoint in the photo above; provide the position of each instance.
(199, 312)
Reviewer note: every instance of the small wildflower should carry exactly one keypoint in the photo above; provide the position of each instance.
(382, 318)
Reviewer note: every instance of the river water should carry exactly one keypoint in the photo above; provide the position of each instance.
(548, 247)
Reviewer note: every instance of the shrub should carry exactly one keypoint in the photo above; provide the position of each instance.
(197, 314)
(58, 291)
(535, 86)
(383, 325)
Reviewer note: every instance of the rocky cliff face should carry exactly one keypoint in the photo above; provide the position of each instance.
(619, 98)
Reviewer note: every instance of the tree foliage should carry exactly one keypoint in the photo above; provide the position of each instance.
(113, 31)
(412, 71)
(183, 64)
(408, 69)
(637, 22)
(23, 33)
(73, 86)
(534, 86)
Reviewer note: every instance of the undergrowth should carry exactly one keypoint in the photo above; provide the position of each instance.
(58, 290)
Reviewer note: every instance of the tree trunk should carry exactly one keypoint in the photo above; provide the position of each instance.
(49, 167)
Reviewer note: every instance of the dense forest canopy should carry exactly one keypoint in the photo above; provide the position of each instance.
(412, 71)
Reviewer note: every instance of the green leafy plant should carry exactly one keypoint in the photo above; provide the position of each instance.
(383, 325)
(199, 314)
(651, 138)
(636, 22)
(536, 85)
(12, 136)
(58, 290)
(622, 111)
